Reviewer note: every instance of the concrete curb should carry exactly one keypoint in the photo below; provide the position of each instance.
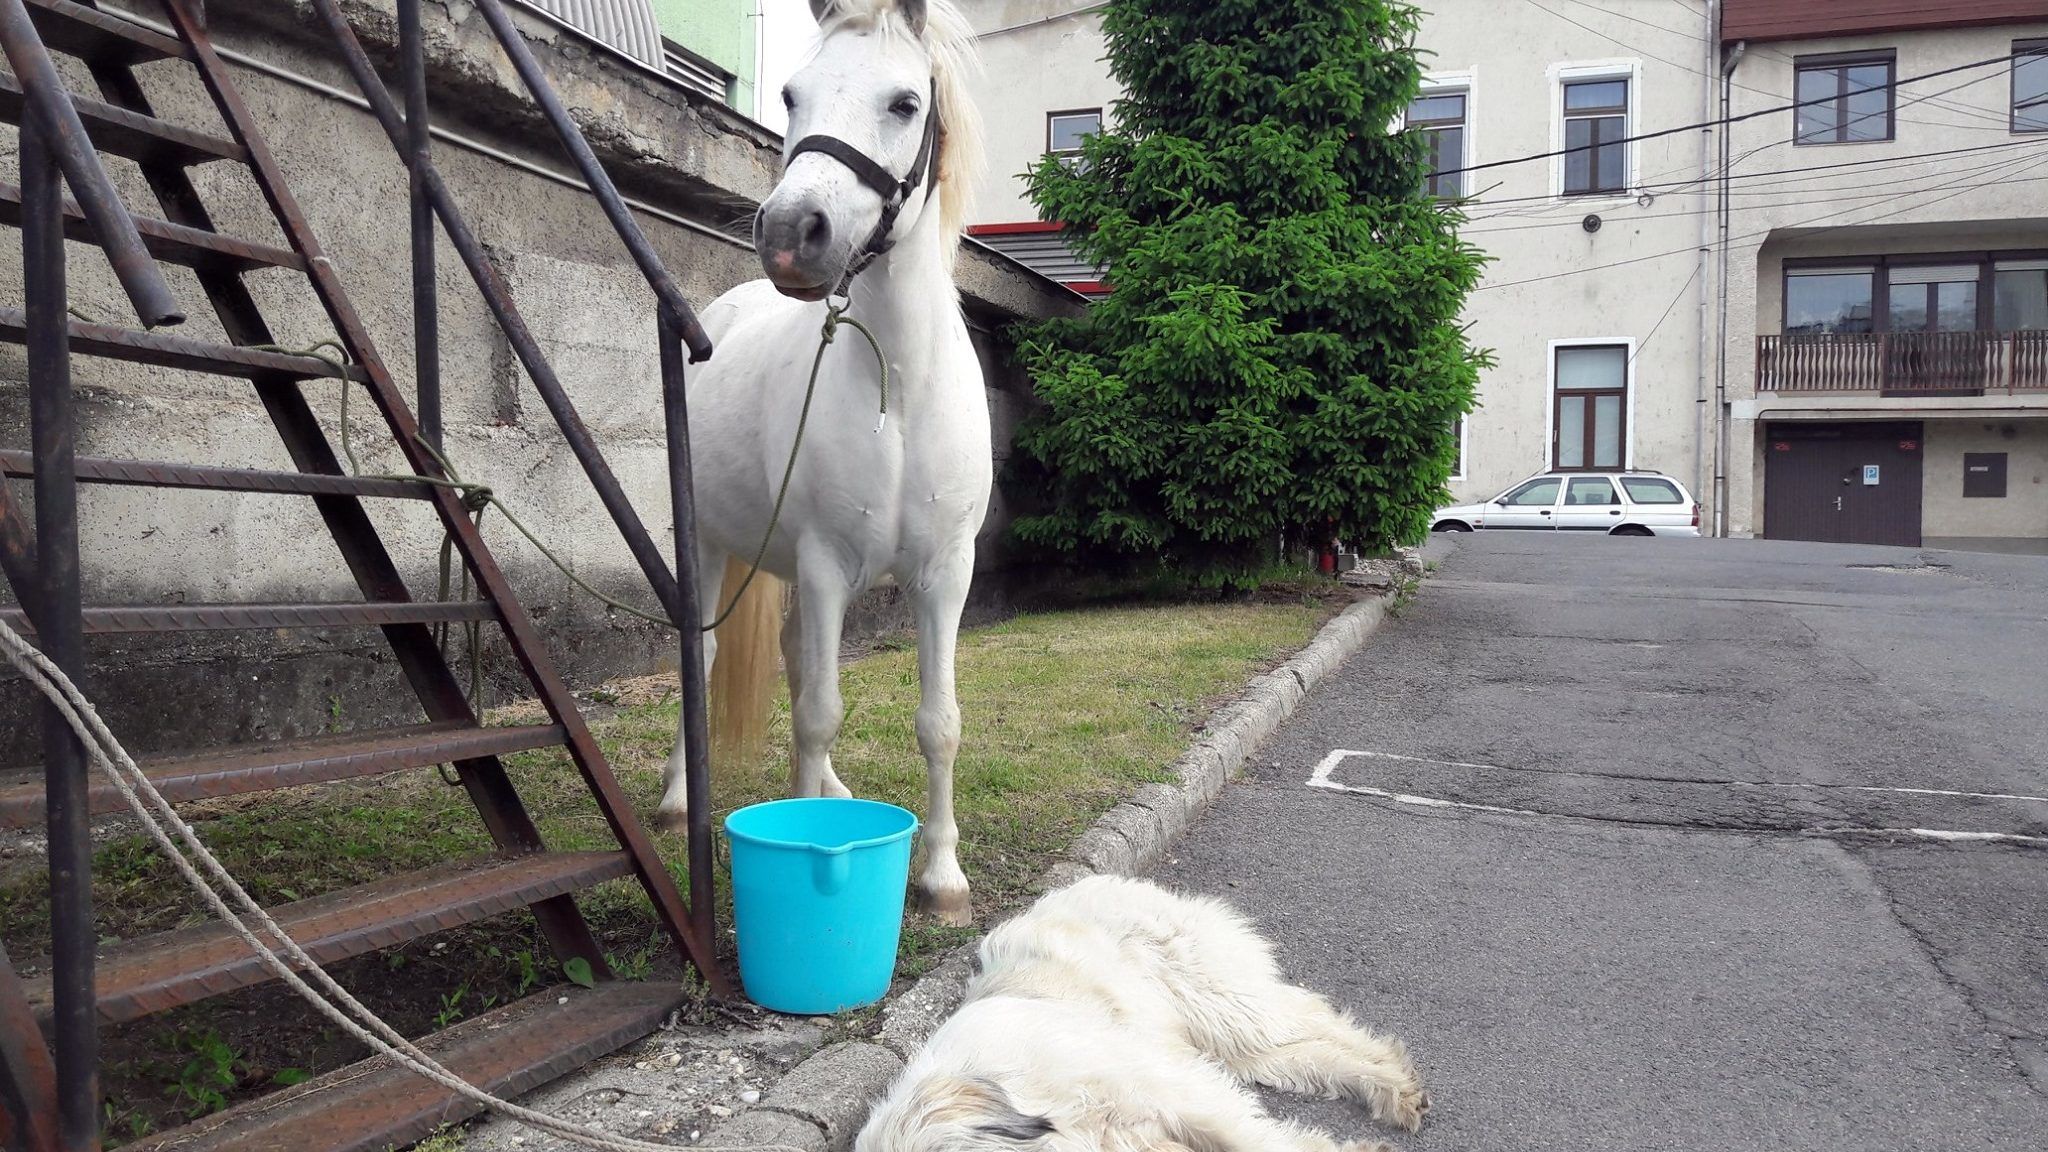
(820, 1104)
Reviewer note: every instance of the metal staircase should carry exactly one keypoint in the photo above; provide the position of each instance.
(48, 1027)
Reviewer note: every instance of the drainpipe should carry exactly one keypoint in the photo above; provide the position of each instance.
(1721, 357)
(1700, 269)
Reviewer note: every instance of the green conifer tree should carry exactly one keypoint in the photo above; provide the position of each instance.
(1280, 355)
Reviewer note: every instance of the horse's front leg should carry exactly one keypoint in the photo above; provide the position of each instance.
(674, 812)
(940, 598)
(810, 652)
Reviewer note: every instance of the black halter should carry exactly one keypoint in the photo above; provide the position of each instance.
(894, 193)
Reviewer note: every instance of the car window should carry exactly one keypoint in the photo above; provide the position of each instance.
(1536, 492)
(1593, 490)
(1649, 490)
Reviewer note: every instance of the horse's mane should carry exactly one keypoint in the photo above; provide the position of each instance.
(949, 41)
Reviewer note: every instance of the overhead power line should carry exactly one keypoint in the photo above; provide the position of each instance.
(1724, 120)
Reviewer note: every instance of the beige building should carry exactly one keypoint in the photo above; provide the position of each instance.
(1690, 274)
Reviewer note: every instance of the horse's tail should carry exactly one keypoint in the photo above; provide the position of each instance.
(743, 672)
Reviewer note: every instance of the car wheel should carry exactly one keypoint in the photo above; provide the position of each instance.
(1632, 530)
(1451, 526)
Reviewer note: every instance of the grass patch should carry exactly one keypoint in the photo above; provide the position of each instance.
(1064, 712)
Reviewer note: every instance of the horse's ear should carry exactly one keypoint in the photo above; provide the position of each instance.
(821, 9)
(913, 15)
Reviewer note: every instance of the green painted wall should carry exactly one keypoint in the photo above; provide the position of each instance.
(721, 31)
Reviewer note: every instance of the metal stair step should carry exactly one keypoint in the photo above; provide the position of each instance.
(373, 1106)
(172, 243)
(102, 37)
(164, 474)
(119, 132)
(154, 973)
(181, 352)
(288, 764)
(110, 620)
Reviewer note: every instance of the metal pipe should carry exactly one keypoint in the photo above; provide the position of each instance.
(60, 634)
(1722, 421)
(64, 136)
(419, 153)
(1702, 272)
(675, 413)
(665, 290)
(499, 298)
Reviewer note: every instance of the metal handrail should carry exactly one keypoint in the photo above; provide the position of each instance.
(676, 324)
(1903, 362)
(64, 136)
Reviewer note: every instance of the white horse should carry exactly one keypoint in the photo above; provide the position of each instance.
(868, 175)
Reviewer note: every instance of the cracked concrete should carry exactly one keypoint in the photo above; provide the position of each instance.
(1660, 952)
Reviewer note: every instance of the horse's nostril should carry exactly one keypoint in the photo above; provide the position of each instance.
(816, 233)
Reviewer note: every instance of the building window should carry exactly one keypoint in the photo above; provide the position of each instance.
(1830, 301)
(1932, 298)
(1843, 99)
(2030, 86)
(2019, 295)
(1595, 130)
(1589, 420)
(1064, 132)
(1440, 118)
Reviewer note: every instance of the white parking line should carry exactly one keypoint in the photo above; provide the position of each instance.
(1321, 778)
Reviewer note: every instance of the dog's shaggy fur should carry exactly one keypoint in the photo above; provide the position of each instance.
(1116, 1016)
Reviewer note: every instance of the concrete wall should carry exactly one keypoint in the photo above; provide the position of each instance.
(721, 31)
(1035, 60)
(2023, 511)
(693, 159)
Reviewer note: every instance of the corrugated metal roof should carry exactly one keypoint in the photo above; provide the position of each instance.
(1045, 253)
(627, 25)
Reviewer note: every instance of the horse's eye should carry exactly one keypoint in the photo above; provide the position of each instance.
(788, 101)
(906, 107)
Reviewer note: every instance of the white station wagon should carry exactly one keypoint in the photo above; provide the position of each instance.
(1617, 503)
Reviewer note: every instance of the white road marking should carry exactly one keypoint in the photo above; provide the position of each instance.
(1331, 761)
(1320, 778)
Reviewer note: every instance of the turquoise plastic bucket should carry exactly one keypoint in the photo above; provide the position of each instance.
(817, 893)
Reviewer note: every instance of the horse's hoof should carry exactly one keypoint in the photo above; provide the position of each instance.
(953, 909)
(672, 819)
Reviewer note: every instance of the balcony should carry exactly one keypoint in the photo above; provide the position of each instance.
(1903, 363)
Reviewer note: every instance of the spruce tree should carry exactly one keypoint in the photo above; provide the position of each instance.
(1279, 356)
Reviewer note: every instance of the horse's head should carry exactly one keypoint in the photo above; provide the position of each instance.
(877, 125)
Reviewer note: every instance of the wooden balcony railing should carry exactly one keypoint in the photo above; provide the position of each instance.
(1904, 363)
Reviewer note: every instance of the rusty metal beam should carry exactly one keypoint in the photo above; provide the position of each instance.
(169, 242)
(101, 621)
(181, 352)
(163, 474)
(157, 973)
(244, 769)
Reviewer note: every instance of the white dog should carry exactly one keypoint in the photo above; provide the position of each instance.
(1116, 1016)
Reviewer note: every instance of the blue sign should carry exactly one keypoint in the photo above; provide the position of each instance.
(1870, 474)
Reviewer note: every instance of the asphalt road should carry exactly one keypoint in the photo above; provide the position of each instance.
(1660, 942)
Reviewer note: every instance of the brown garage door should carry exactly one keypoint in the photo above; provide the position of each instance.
(1843, 483)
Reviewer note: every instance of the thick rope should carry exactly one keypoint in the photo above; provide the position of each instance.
(141, 796)
(479, 496)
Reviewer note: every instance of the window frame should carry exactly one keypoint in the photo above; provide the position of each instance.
(1069, 112)
(2024, 51)
(1842, 62)
(1506, 499)
(1434, 128)
(1553, 413)
(1592, 476)
(1624, 112)
(1880, 268)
